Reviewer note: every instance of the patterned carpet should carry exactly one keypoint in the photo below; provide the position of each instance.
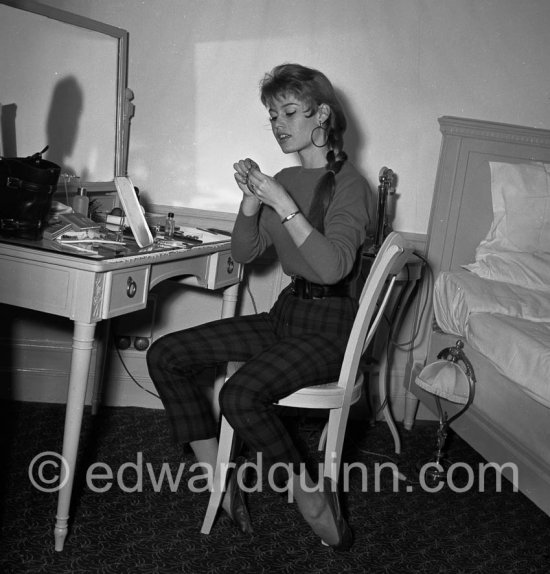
(135, 527)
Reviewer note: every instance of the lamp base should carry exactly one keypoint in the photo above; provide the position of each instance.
(434, 470)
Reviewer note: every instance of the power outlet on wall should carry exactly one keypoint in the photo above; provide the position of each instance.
(135, 330)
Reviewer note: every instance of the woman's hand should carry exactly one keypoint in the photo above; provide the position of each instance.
(269, 191)
(258, 188)
(250, 203)
(242, 169)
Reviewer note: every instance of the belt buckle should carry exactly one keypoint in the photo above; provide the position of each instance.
(295, 286)
(306, 290)
(301, 288)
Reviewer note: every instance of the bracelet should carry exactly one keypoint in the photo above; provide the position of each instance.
(290, 216)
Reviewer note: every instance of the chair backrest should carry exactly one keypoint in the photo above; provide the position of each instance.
(390, 259)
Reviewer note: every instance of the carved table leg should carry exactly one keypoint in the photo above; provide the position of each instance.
(83, 339)
(101, 347)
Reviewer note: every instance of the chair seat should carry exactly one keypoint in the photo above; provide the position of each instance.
(325, 389)
(325, 396)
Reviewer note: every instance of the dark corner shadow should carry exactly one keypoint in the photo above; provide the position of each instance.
(355, 144)
(354, 137)
(63, 121)
(8, 132)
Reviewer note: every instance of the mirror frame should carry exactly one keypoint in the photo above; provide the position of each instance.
(124, 108)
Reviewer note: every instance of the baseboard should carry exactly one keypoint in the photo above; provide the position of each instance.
(38, 371)
(126, 382)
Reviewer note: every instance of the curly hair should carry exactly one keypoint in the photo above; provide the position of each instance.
(313, 88)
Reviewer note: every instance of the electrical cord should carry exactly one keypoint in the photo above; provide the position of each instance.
(249, 291)
(408, 345)
(404, 345)
(136, 382)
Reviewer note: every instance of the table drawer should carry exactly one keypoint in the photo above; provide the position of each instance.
(223, 270)
(126, 291)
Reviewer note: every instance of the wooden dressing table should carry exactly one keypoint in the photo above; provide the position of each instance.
(88, 291)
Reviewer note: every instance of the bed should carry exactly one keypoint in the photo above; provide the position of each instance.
(489, 251)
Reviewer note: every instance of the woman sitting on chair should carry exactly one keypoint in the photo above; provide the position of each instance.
(315, 215)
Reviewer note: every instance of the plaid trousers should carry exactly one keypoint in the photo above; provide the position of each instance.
(296, 344)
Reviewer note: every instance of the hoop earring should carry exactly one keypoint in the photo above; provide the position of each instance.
(324, 130)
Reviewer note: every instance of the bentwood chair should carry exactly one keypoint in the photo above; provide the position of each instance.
(338, 396)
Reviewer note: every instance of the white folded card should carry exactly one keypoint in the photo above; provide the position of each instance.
(133, 212)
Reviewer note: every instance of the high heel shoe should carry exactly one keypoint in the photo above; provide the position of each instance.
(238, 512)
(345, 535)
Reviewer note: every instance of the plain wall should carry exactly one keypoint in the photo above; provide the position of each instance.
(195, 65)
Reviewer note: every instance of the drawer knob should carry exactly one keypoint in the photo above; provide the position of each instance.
(131, 287)
(230, 265)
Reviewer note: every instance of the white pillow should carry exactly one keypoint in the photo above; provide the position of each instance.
(517, 247)
(529, 270)
(521, 209)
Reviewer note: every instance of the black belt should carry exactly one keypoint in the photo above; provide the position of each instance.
(307, 290)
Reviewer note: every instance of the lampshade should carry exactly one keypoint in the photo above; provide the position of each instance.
(446, 380)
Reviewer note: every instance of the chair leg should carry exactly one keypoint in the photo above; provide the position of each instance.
(220, 475)
(336, 429)
(332, 452)
(323, 438)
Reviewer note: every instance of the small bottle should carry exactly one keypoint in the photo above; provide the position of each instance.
(81, 202)
(170, 225)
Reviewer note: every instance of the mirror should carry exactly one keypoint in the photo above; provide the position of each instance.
(64, 84)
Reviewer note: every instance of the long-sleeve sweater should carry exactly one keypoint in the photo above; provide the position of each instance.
(322, 258)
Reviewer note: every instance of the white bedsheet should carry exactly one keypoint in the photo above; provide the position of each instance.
(508, 324)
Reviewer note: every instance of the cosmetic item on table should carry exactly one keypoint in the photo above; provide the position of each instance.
(81, 202)
(170, 225)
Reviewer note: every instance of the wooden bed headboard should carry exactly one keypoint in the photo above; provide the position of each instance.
(462, 211)
(504, 424)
